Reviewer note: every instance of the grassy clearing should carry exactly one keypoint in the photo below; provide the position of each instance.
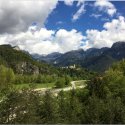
(44, 85)
(35, 85)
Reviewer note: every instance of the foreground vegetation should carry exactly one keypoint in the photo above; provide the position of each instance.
(34, 85)
(101, 101)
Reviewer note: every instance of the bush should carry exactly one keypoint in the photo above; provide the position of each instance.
(6, 78)
(60, 83)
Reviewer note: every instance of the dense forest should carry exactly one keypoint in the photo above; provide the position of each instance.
(101, 101)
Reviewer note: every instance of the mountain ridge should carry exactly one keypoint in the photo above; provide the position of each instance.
(92, 59)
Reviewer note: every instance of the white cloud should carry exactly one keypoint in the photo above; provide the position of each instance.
(16, 16)
(44, 41)
(69, 2)
(114, 31)
(68, 40)
(95, 15)
(80, 2)
(105, 6)
(80, 11)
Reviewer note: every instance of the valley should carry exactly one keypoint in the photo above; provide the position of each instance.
(31, 88)
(74, 85)
(62, 62)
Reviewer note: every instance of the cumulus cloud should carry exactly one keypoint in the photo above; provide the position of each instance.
(44, 41)
(68, 40)
(105, 6)
(16, 16)
(15, 29)
(114, 31)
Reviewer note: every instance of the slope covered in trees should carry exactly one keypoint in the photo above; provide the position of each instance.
(21, 62)
(101, 101)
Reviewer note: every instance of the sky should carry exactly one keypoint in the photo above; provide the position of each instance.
(46, 26)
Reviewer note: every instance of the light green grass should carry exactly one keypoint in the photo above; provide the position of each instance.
(45, 85)
(35, 85)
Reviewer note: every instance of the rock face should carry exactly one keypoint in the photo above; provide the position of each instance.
(26, 68)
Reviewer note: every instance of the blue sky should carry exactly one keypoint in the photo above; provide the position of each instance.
(47, 26)
(61, 17)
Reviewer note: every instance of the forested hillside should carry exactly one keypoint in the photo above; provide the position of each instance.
(21, 62)
(29, 71)
(101, 101)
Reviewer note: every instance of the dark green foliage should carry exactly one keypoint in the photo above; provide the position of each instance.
(6, 78)
(67, 80)
(60, 83)
(76, 74)
(21, 62)
(63, 81)
(102, 101)
(17, 108)
(48, 109)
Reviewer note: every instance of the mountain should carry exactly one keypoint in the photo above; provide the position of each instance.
(98, 63)
(69, 58)
(78, 56)
(47, 58)
(117, 50)
(105, 58)
(22, 62)
(95, 52)
(93, 59)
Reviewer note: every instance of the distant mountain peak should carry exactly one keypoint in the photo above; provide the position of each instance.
(96, 59)
(118, 45)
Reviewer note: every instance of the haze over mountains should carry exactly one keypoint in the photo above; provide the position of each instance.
(93, 58)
